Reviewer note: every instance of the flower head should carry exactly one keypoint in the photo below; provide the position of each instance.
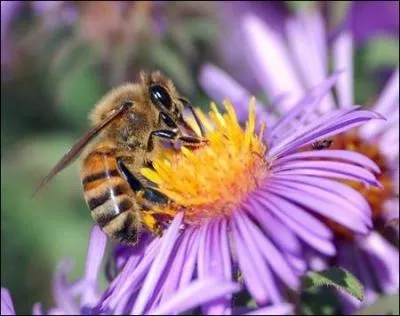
(286, 75)
(213, 180)
(242, 202)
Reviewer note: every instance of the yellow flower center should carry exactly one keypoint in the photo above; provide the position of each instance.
(376, 197)
(211, 180)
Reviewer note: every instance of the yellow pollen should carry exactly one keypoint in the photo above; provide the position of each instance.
(211, 180)
(376, 197)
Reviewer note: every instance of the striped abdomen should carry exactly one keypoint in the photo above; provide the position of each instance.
(109, 196)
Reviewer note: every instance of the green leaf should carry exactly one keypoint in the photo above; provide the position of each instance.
(335, 277)
(319, 301)
(382, 52)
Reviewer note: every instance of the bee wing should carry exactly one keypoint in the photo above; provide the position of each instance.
(77, 148)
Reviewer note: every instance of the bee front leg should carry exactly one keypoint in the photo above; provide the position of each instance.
(187, 104)
(173, 137)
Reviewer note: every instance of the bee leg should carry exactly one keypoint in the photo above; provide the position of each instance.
(173, 137)
(135, 184)
(167, 120)
(149, 194)
(199, 123)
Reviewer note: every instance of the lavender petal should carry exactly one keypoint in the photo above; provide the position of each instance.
(275, 72)
(303, 232)
(7, 306)
(244, 237)
(318, 204)
(197, 293)
(158, 265)
(346, 155)
(271, 255)
(343, 60)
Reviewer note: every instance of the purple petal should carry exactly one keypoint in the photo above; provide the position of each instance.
(225, 251)
(346, 155)
(298, 214)
(127, 280)
(96, 249)
(220, 86)
(384, 259)
(370, 19)
(7, 306)
(36, 310)
(271, 63)
(197, 293)
(158, 265)
(328, 192)
(343, 191)
(203, 258)
(297, 262)
(306, 35)
(300, 113)
(387, 103)
(246, 246)
(191, 258)
(343, 60)
(317, 203)
(214, 266)
(329, 125)
(278, 232)
(62, 296)
(339, 168)
(248, 266)
(274, 258)
(173, 275)
(303, 231)
(319, 174)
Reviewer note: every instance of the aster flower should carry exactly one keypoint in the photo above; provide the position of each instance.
(284, 73)
(242, 203)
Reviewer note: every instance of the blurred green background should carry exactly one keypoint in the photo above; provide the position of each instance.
(57, 60)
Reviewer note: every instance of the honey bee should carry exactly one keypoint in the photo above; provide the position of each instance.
(129, 124)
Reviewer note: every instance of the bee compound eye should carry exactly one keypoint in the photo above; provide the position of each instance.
(159, 95)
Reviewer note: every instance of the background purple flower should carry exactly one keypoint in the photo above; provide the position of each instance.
(291, 65)
(370, 19)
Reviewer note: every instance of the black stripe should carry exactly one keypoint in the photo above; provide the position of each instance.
(110, 214)
(100, 200)
(124, 205)
(128, 233)
(155, 196)
(104, 219)
(100, 175)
